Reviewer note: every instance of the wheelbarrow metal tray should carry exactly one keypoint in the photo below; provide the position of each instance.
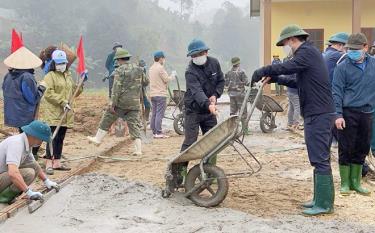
(268, 104)
(210, 141)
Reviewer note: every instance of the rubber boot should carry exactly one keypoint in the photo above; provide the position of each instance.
(345, 180)
(311, 203)
(325, 196)
(100, 134)
(355, 179)
(137, 147)
(8, 195)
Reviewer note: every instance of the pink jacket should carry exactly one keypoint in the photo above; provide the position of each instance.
(159, 79)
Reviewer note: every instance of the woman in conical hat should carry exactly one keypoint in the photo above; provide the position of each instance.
(20, 89)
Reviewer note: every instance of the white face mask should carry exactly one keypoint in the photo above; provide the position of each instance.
(61, 68)
(287, 50)
(199, 61)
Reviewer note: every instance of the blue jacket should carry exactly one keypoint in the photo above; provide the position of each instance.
(202, 82)
(354, 87)
(311, 79)
(331, 57)
(110, 63)
(21, 96)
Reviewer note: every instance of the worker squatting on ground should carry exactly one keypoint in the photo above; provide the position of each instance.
(125, 100)
(60, 88)
(317, 108)
(21, 92)
(204, 85)
(18, 168)
(110, 66)
(236, 81)
(353, 92)
(159, 80)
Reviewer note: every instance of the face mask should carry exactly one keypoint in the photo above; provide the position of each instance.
(61, 68)
(287, 50)
(199, 61)
(355, 55)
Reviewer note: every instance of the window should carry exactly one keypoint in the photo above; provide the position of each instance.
(316, 37)
(370, 34)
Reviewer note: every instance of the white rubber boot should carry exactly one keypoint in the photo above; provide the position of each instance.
(98, 137)
(137, 147)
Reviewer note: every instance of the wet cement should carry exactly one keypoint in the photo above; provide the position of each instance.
(100, 203)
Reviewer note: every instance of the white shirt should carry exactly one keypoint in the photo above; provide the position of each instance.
(15, 150)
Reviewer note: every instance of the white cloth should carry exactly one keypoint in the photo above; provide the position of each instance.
(15, 150)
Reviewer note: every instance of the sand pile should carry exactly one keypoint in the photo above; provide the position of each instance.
(99, 203)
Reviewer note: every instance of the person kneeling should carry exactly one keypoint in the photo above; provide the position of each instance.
(18, 168)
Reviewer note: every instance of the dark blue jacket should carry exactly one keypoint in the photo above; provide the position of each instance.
(311, 79)
(331, 57)
(110, 63)
(354, 87)
(21, 96)
(202, 82)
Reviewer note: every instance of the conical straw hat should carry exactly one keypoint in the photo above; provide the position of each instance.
(23, 59)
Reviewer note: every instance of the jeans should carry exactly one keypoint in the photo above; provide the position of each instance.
(294, 110)
(354, 140)
(159, 104)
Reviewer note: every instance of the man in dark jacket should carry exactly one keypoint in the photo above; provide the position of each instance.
(110, 66)
(353, 92)
(334, 52)
(317, 108)
(204, 85)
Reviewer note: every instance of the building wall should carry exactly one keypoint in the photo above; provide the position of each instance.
(332, 16)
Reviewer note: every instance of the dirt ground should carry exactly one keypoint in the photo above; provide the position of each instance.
(274, 194)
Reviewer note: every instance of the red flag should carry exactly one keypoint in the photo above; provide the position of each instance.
(16, 41)
(81, 68)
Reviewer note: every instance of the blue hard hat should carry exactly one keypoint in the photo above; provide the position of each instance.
(341, 37)
(38, 129)
(196, 46)
(158, 54)
(59, 57)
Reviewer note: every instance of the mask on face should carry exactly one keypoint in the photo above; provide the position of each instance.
(355, 55)
(61, 68)
(199, 61)
(287, 50)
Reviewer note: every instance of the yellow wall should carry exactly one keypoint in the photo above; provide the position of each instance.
(333, 16)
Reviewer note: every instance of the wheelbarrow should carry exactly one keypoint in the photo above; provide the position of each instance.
(177, 96)
(268, 108)
(207, 184)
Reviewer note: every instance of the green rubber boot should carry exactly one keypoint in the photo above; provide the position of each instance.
(324, 196)
(345, 180)
(8, 195)
(311, 203)
(355, 179)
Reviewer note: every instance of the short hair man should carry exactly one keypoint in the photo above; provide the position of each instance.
(18, 168)
(353, 92)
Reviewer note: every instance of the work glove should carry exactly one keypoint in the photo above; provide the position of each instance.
(174, 73)
(85, 75)
(67, 107)
(51, 185)
(34, 195)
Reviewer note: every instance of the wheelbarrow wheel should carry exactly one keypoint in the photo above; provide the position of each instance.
(178, 124)
(213, 191)
(267, 122)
